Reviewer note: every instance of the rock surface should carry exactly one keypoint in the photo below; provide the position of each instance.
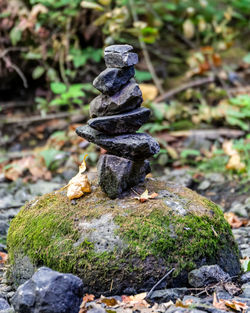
(120, 56)
(126, 99)
(116, 174)
(112, 79)
(124, 123)
(4, 305)
(206, 275)
(49, 291)
(145, 238)
(131, 146)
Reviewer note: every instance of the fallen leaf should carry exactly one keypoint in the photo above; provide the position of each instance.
(149, 91)
(3, 257)
(234, 162)
(145, 196)
(109, 301)
(79, 184)
(219, 304)
(236, 305)
(87, 298)
(232, 289)
(233, 220)
(185, 304)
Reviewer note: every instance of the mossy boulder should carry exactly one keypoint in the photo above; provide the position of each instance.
(122, 245)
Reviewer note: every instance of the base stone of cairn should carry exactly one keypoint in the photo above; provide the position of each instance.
(116, 116)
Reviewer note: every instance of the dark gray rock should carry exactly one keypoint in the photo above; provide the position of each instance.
(246, 290)
(206, 275)
(120, 56)
(174, 309)
(117, 174)
(130, 146)
(245, 278)
(171, 294)
(124, 123)
(126, 99)
(3, 228)
(49, 291)
(112, 79)
(4, 304)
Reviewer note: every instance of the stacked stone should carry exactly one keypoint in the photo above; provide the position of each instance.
(116, 116)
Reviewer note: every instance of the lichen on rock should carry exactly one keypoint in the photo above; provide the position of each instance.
(115, 244)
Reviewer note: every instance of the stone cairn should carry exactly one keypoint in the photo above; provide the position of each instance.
(116, 116)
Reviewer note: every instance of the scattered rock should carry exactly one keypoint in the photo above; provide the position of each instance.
(124, 123)
(245, 278)
(126, 99)
(3, 228)
(131, 146)
(117, 174)
(49, 291)
(206, 275)
(120, 56)
(171, 294)
(112, 79)
(239, 209)
(205, 184)
(4, 304)
(246, 290)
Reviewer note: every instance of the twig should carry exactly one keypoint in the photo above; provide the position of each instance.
(39, 118)
(17, 69)
(158, 283)
(14, 104)
(145, 52)
(209, 133)
(192, 84)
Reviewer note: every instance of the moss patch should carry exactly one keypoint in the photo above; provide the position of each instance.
(156, 237)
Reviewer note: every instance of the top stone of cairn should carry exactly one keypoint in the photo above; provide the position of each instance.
(120, 56)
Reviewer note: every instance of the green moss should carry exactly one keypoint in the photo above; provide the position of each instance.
(47, 229)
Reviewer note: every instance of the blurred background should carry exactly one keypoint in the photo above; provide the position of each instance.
(194, 72)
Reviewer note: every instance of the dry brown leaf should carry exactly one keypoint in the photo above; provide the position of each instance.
(3, 257)
(145, 196)
(17, 169)
(233, 220)
(236, 305)
(149, 91)
(232, 288)
(219, 304)
(87, 298)
(185, 304)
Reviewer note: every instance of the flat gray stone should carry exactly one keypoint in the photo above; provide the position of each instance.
(117, 174)
(124, 123)
(126, 99)
(207, 274)
(112, 79)
(120, 60)
(118, 49)
(130, 146)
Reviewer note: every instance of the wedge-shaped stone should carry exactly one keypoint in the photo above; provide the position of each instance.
(120, 56)
(117, 174)
(124, 123)
(130, 146)
(126, 99)
(112, 79)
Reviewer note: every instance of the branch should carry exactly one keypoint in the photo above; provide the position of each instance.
(192, 84)
(17, 69)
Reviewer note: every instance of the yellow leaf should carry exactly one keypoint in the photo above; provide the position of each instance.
(188, 29)
(79, 184)
(104, 2)
(145, 196)
(91, 5)
(149, 91)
